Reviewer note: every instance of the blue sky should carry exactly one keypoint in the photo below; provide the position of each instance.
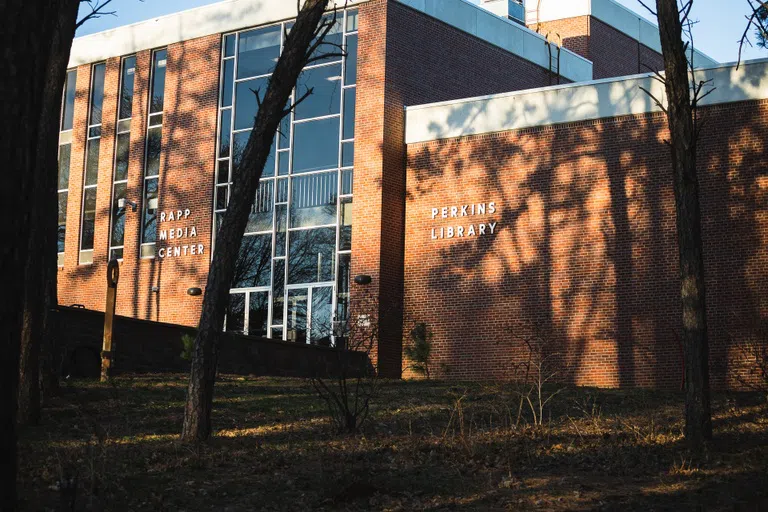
(716, 34)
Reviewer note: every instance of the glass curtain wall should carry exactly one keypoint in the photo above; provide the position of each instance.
(65, 153)
(91, 178)
(292, 276)
(154, 147)
(122, 152)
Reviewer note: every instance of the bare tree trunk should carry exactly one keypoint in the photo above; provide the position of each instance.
(299, 46)
(25, 31)
(683, 133)
(41, 272)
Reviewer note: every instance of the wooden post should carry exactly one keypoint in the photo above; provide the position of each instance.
(113, 274)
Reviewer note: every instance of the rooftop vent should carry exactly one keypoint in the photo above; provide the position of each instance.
(511, 9)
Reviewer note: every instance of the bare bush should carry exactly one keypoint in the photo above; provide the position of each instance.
(536, 377)
(753, 352)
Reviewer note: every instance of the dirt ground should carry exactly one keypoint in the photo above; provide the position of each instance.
(428, 445)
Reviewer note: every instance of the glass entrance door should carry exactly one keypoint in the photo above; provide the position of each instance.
(248, 312)
(310, 315)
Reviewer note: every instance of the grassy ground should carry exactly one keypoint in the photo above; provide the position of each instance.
(427, 446)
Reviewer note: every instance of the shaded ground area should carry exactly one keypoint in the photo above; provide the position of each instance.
(428, 446)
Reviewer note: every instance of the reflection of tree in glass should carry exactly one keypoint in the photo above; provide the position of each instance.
(253, 264)
(311, 255)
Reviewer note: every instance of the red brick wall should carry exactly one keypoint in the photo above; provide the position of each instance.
(585, 246)
(186, 180)
(407, 58)
(612, 52)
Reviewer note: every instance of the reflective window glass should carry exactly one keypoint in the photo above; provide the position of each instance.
(229, 45)
(226, 132)
(89, 219)
(348, 154)
(281, 223)
(236, 313)
(316, 145)
(227, 79)
(92, 162)
(297, 315)
(126, 87)
(350, 72)
(322, 308)
(158, 81)
(342, 287)
(65, 154)
(62, 228)
(118, 216)
(97, 93)
(258, 313)
(311, 255)
(247, 106)
(254, 262)
(258, 51)
(325, 84)
(345, 225)
(122, 152)
(154, 148)
(149, 227)
(346, 181)
(223, 176)
(260, 218)
(349, 113)
(278, 291)
(68, 113)
(313, 200)
(330, 48)
(239, 142)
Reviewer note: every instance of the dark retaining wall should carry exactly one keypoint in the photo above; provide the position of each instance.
(148, 347)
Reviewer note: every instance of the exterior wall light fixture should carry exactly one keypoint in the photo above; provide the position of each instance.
(123, 202)
(194, 292)
(363, 279)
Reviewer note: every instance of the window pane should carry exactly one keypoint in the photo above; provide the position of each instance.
(349, 113)
(229, 45)
(313, 200)
(284, 131)
(116, 254)
(226, 133)
(278, 293)
(247, 106)
(352, 18)
(345, 225)
(297, 315)
(97, 93)
(221, 197)
(236, 313)
(154, 147)
(69, 100)
(283, 163)
(122, 156)
(322, 312)
(89, 219)
(149, 230)
(332, 42)
(118, 216)
(316, 145)
(348, 154)
(92, 162)
(148, 251)
(62, 229)
(258, 51)
(311, 255)
(342, 287)
(350, 72)
(258, 314)
(254, 262)
(65, 154)
(346, 181)
(325, 83)
(158, 81)
(227, 79)
(126, 87)
(260, 218)
(223, 176)
(282, 191)
(281, 223)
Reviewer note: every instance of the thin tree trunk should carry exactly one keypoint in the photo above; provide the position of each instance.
(41, 270)
(298, 46)
(680, 116)
(25, 31)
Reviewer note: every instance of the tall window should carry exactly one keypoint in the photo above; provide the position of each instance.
(122, 152)
(154, 147)
(65, 153)
(91, 178)
(292, 276)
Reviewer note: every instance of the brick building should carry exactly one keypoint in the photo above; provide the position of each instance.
(501, 168)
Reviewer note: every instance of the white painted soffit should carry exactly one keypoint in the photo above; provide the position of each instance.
(504, 33)
(610, 12)
(573, 102)
(202, 21)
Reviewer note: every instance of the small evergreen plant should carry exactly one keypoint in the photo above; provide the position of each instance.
(419, 350)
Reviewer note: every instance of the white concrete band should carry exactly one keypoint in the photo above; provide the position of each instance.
(234, 15)
(609, 12)
(573, 102)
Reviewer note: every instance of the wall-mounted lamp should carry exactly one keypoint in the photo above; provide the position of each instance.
(363, 279)
(155, 289)
(194, 292)
(123, 202)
